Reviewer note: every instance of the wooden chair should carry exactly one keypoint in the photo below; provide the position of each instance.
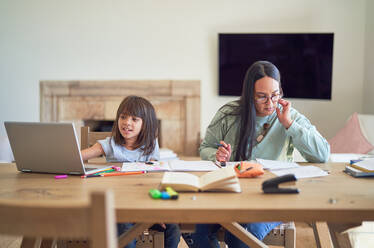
(90, 138)
(148, 238)
(94, 221)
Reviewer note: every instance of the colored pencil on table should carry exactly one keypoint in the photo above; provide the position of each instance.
(122, 173)
(106, 171)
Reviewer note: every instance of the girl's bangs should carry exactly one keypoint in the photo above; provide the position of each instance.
(132, 110)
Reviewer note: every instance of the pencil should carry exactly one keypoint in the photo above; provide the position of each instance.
(99, 171)
(122, 173)
(105, 171)
(249, 168)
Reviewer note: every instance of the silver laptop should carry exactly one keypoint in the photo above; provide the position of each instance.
(47, 148)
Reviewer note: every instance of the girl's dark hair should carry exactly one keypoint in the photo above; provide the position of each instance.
(246, 110)
(139, 107)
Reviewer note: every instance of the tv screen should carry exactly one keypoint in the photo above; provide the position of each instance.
(303, 59)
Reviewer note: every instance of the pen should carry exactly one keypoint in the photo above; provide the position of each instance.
(222, 163)
(106, 171)
(110, 168)
(114, 174)
(92, 175)
(61, 176)
(249, 168)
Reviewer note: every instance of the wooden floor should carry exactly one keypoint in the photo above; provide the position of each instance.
(304, 238)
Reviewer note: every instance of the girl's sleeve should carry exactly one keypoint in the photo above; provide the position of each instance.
(214, 134)
(307, 140)
(105, 144)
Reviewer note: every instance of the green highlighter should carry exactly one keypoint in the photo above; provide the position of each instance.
(155, 193)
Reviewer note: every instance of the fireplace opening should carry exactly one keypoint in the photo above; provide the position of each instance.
(99, 125)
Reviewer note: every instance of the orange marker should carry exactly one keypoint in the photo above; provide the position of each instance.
(122, 173)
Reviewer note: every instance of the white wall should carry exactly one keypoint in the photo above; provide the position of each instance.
(369, 60)
(166, 39)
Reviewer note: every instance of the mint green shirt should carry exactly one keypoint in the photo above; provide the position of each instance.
(278, 143)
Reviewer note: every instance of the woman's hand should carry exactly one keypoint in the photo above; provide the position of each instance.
(223, 153)
(284, 116)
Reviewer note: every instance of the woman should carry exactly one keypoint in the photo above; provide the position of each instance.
(259, 125)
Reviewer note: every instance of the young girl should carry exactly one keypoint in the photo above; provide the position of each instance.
(134, 138)
(134, 134)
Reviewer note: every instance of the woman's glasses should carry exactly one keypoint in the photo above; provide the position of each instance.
(264, 99)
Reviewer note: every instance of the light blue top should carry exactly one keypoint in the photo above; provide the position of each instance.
(278, 143)
(118, 153)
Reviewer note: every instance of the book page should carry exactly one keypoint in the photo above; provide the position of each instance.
(142, 166)
(216, 177)
(180, 181)
(201, 165)
(226, 185)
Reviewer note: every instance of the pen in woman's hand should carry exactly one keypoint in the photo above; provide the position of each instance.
(223, 152)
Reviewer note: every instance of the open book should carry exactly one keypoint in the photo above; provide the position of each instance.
(224, 179)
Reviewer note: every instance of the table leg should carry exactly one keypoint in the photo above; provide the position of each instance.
(28, 242)
(242, 234)
(132, 233)
(322, 235)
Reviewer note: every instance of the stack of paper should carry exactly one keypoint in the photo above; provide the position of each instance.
(357, 173)
(364, 165)
(167, 154)
(281, 168)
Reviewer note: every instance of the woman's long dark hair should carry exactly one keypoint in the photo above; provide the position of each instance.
(245, 136)
(139, 107)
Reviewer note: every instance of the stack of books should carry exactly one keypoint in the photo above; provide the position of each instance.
(167, 154)
(360, 168)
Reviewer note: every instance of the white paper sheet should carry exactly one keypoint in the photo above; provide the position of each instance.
(141, 166)
(302, 172)
(276, 165)
(201, 165)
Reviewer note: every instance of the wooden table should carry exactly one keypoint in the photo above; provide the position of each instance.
(334, 198)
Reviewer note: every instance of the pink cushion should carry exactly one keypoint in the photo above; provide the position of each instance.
(350, 139)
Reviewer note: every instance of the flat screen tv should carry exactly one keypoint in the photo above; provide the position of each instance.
(303, 59)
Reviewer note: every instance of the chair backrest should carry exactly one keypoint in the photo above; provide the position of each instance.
(90, 138)
(94, 221)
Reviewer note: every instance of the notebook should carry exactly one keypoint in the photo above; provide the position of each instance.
(47, 148)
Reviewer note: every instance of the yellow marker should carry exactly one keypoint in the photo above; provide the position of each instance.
(173, 194)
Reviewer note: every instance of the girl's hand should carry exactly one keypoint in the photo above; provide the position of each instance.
(284, 116)
(163, 225)
(223, 153)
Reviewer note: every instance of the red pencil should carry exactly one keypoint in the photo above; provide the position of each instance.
(122, 173)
